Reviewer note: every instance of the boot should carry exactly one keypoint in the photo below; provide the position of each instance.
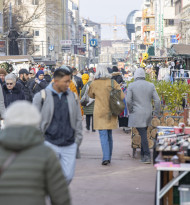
(146, 160)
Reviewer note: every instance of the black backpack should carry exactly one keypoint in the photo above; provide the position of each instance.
(117, 105)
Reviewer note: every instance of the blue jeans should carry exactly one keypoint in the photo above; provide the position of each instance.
(144, 142)
(67, 158)
(106, 143)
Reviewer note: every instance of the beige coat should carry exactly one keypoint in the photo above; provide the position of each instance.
(100, 91)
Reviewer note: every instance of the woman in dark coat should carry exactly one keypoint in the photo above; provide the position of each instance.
(116, 75)
(11, 90)
(38, 83)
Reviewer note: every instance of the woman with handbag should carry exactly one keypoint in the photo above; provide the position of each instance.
(104, 121)
(89, 107)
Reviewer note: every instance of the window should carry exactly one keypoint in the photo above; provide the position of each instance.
(36, 33)
(147, 21)
(35, 2)
(169, 22)
(37, 48)
(18, 2)
(138, 28)
(138, 19)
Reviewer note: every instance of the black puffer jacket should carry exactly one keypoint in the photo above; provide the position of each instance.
(37, 87)
(13, 95)
(47, 78)
(24, 87)
(78, 83)
(117, 77)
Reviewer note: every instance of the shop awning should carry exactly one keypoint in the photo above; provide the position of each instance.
(180, 50)
(18, 58)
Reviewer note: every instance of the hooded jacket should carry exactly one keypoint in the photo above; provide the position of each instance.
(34, 173)
(13, 95)
(85, 78)
(139, 101)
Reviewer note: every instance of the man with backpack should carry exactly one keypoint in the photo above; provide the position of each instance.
(61, 119)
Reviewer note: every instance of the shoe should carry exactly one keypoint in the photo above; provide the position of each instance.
(106, 162)
(87, 128)
(146, 160)
(142, 158)
(93, 130)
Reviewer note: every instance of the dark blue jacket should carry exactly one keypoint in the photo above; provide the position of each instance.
(60, 132)
(13, 95)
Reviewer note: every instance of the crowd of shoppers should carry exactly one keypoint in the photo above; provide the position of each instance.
(43, 126)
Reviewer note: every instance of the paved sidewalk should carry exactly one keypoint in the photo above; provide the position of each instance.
(125, 182)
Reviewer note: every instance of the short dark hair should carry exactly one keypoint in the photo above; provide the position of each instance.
(61, 72)
(74, 69)
(115, 69)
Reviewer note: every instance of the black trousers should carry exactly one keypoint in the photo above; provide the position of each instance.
(88, 119)
(144, 141)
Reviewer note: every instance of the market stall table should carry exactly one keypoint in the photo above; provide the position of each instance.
(183, 170)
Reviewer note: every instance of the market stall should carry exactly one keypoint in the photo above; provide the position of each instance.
(172, 158)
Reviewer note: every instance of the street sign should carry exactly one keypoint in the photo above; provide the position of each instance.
(173, 39)
(51, 47)
(93, 42)
(66, 42)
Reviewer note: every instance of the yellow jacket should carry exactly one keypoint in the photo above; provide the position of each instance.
(85, 78)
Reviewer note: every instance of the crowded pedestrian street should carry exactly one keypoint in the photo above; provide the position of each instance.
(94, 102)
(126, 181)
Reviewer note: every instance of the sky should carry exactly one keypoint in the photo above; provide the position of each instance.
(103, 11)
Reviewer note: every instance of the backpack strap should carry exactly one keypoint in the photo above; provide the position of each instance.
(112, 83)
(8, 162)
(43, 95)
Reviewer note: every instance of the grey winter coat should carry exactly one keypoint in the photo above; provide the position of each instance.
(139, 102)
(34, 173)
(48, 108)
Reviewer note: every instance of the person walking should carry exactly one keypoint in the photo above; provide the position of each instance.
(85, 77)
(11, 90)
(116, 75)
(2, 104)
(47, 77)
(38, 83)
(3, 73)
(100, 90)
(61, 120)
(30, 170)
(89, 108)
(77, 81)
(23, 82)
(32, 76)
(139, 102)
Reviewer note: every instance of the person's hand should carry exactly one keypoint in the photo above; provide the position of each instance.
(37, 81)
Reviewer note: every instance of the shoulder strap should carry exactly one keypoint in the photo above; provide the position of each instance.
(7, 162)
(43, 95)
(112, 83)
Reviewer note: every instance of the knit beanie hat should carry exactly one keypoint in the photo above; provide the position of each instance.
(22, 113)
(40, 72)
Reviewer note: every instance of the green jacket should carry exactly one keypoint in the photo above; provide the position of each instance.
(88, 110)
(34, 173)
